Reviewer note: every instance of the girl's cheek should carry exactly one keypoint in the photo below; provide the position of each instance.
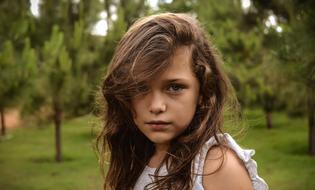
(133, 109)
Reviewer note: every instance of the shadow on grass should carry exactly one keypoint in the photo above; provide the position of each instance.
(50, 159)
(87, 136)
(296, 148)
(6, 138)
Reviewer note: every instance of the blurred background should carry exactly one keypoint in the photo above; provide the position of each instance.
(54, 53)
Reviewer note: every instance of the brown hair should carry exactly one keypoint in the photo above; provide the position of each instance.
(143, 52)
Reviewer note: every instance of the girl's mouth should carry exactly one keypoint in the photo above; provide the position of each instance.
(158, 125)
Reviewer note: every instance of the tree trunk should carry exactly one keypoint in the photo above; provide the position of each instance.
(109, 15)
(3, 128)
(57, 122)
(268, 107)
(269, 119)
(311, 123)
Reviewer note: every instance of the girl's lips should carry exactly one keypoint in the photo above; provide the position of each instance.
(158, 125)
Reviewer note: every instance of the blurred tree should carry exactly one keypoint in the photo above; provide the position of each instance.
(179, 6)
(55, 77)
(16, 70)
(270, 81)
(120, 15)
(296, 52)
(68, 56)
(239, 34)
(298, 56)
(17, 58)
(75, 20)
(132, 10)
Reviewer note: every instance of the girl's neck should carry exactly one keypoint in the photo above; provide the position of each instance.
(159, 155)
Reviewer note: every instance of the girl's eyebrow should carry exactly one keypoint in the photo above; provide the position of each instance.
(174, 80)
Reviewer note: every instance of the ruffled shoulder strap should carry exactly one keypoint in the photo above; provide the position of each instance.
(244, 154)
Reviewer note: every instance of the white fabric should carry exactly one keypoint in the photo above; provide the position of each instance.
(244, 154)
(146, 177)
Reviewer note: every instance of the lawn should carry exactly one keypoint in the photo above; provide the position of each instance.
(26, 156)
(281, 153)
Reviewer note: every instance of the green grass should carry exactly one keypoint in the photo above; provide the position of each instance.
(27, 157)
(281, 153)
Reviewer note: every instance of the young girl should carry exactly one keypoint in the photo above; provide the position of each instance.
(164, 94)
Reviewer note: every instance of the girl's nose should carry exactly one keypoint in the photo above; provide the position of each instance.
(157, 104)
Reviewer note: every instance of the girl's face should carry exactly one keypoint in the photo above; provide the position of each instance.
(167, 107)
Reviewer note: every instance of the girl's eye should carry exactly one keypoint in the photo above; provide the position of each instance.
(175, 88)
(143, 88)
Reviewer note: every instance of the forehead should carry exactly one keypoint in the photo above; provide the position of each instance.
(180, 66)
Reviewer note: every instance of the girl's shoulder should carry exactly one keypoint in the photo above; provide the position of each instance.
(230, 164)
(224, 170)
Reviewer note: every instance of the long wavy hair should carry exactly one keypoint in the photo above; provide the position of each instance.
(143, 52)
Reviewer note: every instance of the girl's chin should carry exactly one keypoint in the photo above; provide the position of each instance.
(160, 140)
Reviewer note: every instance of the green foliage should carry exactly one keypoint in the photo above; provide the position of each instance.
(296, 55)
(29, 58)
(114, 34)
(179, 6)
(69, 54)
(78, 35)
(14, 22)
(132, 10)
(16, 72)
(56, 68)
(8, 65)
(300, 43)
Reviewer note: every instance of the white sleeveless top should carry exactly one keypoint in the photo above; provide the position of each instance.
(244, 154)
